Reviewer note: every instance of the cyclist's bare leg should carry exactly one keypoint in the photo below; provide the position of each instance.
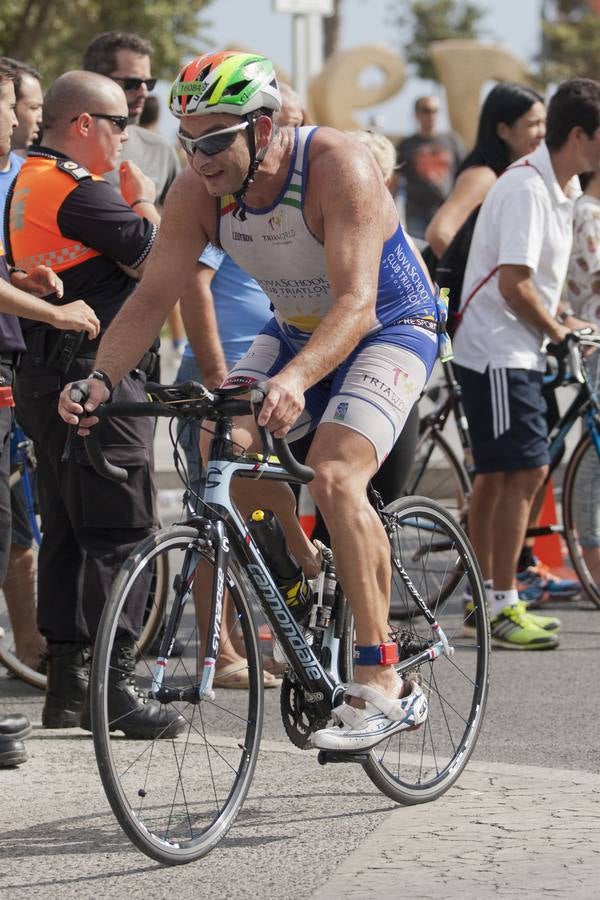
(345, 461)
(19, 592)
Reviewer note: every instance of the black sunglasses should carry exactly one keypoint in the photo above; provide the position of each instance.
(211, 144)
(120, 121)
(134, 84)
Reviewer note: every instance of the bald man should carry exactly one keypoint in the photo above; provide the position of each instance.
(64, 215)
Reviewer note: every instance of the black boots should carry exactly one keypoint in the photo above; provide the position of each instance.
(13, 728)
(68, 679)
(128, 711)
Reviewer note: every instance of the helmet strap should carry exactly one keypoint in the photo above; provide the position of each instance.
(255, 160)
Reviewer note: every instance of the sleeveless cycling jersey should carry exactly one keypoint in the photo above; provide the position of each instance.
(276, 247)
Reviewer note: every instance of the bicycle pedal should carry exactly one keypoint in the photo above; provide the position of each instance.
(334, 756)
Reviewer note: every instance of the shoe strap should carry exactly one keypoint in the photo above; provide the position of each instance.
(394, 710)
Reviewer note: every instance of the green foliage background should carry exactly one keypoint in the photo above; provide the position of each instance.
(52, 34)
(570, 41)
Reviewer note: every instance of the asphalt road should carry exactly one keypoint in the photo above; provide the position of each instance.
(305, 828)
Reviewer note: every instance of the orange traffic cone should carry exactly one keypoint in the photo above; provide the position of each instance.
(549, 548)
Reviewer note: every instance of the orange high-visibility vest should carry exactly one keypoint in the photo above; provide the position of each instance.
(40, 189)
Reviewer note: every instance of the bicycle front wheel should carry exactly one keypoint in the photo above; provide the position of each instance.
(418, 766)
(581, 515)
(177, 796)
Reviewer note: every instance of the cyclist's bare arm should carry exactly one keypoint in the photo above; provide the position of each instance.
(170, 266)
(520, 293)
(349, 208)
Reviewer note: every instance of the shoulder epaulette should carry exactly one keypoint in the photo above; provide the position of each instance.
(79, 173)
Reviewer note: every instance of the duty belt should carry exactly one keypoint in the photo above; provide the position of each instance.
(10, 358)
(59, 349)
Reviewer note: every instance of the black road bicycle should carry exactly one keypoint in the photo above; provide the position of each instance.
(446, 476)
(177, 797)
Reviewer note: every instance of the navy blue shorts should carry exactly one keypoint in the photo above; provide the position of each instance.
(506, 412)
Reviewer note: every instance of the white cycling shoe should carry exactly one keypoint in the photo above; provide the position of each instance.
(361, 729)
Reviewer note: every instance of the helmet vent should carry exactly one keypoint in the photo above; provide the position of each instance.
(236, 88)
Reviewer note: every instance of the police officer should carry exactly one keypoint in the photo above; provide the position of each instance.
(63, 214)
(15, 302)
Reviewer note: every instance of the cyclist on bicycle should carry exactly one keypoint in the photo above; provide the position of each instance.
(353, 339)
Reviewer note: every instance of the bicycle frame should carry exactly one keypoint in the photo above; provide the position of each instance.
(223, 529)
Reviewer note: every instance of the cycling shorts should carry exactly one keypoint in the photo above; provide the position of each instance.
(372, 392)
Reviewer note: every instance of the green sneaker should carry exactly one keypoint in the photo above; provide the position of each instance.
(515, 629)
(548, 623)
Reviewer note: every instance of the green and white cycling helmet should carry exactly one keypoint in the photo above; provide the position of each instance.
(226, 82)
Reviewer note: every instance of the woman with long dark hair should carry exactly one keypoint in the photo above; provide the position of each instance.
(512, 123)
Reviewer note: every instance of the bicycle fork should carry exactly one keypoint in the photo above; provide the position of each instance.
(216, 537)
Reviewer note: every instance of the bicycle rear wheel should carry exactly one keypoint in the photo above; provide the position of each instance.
(418, 766)
(581, 515)
(177, 797)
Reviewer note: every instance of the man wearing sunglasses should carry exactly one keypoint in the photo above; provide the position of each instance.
(126, 58)
(64, 215)
(353, 339)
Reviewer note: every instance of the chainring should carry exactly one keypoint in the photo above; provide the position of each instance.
(296, 714)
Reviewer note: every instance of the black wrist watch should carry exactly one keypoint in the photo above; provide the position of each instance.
(99, 375)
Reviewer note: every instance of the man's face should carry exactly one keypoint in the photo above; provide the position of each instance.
(132, 65)
(222, 173)
(8, 119)
(105, 138)
(29, 113)
(427, 113)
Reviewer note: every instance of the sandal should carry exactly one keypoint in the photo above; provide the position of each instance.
(235, 677)
(361, 729)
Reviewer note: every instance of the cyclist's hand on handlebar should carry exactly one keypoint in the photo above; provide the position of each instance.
(72, 406)
(283, 404)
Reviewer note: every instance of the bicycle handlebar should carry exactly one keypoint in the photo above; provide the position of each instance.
(568, 348)
(190, 400)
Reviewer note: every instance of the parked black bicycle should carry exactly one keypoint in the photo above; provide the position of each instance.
(176, 797)
(446, 476)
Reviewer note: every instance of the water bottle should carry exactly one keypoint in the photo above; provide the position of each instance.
(270, 540)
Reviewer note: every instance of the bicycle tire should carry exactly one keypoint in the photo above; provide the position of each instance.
(437, 473)
(170, 796)
(419, 766)
(583, 469)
